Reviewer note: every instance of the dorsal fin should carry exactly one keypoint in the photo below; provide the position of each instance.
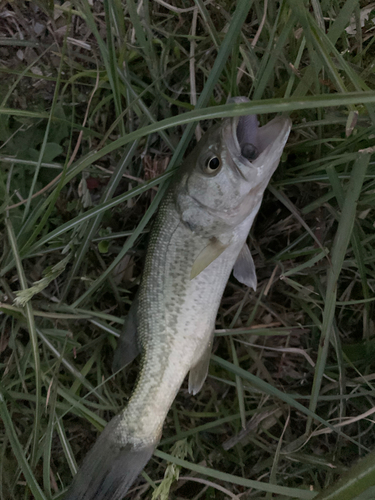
(127, 345)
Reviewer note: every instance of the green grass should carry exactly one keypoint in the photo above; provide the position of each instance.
(99, 104)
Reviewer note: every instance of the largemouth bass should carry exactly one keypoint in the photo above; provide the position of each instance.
(198, 237)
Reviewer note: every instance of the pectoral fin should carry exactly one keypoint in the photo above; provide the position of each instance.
(127, 347)
(244, 268)
(210, 253)
(198, 373)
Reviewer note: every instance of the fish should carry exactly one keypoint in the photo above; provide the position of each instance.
(198, 238)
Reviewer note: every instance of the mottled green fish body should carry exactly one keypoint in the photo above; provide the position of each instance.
(198, 238)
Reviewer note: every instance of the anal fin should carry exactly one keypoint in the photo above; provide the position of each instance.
(198, 373)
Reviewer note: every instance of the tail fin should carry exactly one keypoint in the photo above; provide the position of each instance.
(110, 467)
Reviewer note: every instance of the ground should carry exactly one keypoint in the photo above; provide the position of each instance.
(99, 103)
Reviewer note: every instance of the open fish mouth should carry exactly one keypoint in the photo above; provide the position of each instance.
(247, 137)
(271, 136)
(256, 143)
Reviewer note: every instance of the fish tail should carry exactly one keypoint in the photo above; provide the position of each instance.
(110, 467)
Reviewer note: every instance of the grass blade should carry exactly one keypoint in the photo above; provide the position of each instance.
(248, 483)
(354, 482)
(339, 248)
(18, 452)
(33, 339)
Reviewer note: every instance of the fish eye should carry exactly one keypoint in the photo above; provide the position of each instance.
(212, 165)
(249, 151)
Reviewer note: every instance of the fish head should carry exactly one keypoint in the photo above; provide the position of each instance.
(227, 173)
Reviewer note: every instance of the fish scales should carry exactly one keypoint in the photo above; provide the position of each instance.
(198, 237)
(176, 317)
